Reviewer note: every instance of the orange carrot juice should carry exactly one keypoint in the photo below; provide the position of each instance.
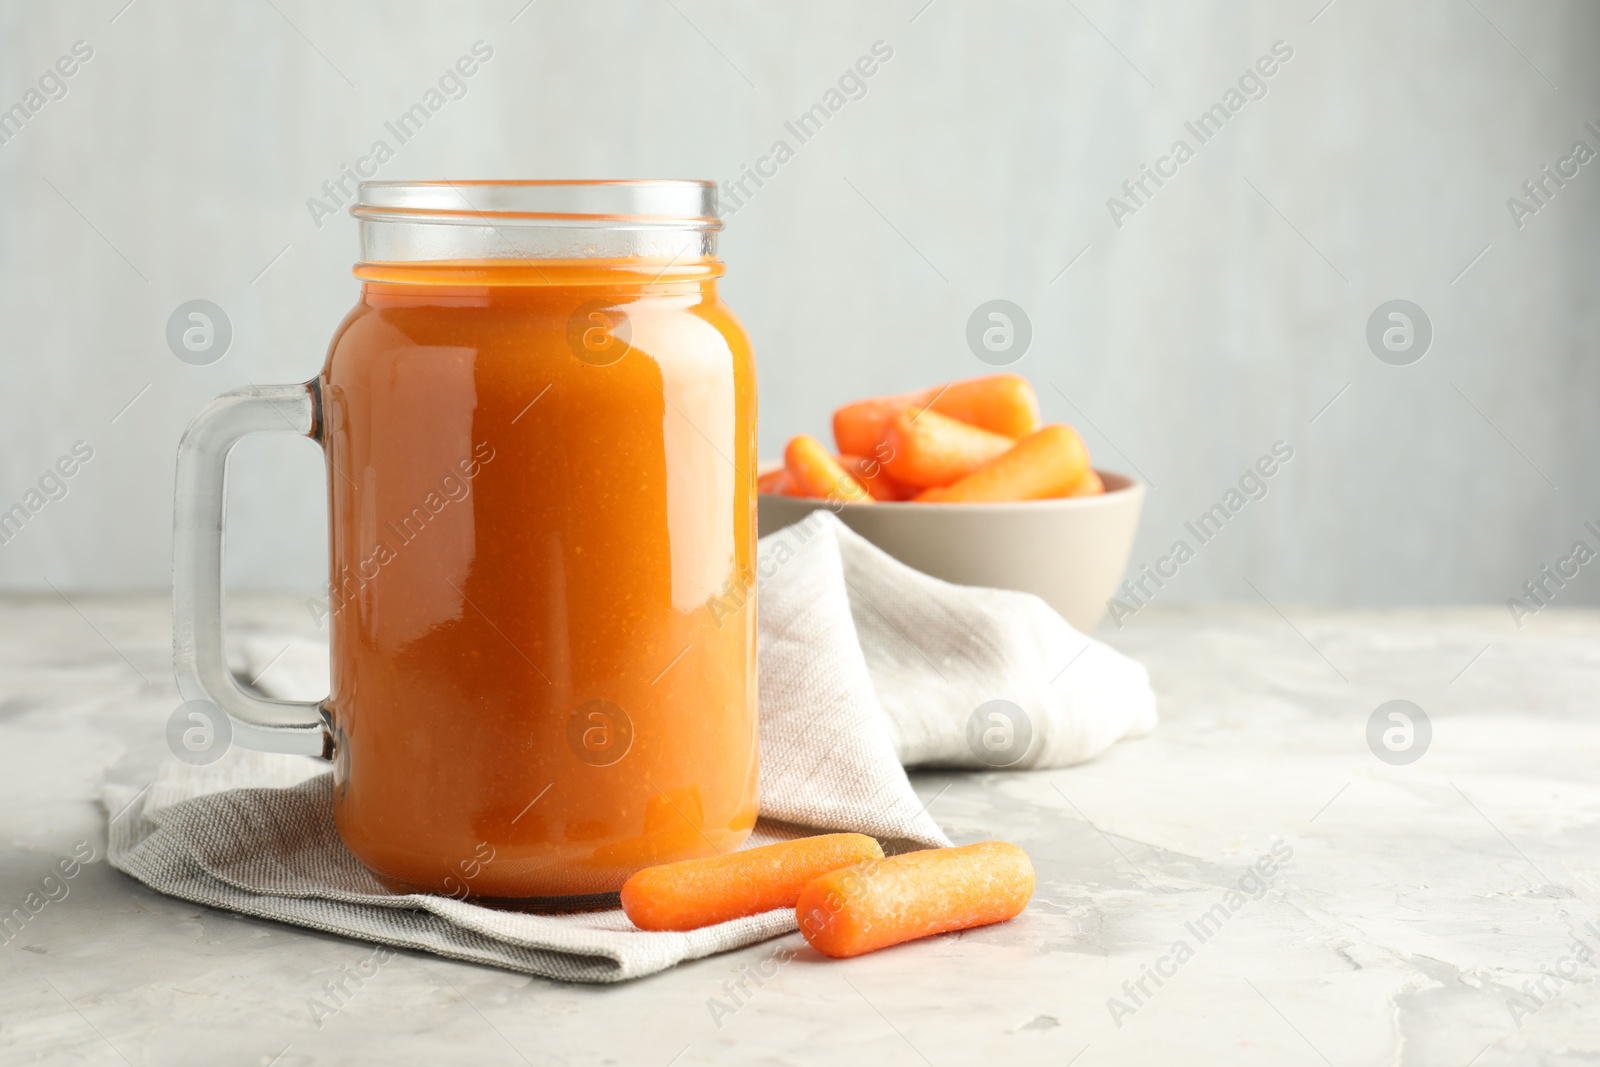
(542, 508)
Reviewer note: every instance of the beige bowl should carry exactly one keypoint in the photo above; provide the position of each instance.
(1070, 552)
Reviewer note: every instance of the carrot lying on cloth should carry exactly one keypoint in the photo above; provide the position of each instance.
(1046, 464)
(884, 902)
(927, 449)
(694, 893)
(817, 474)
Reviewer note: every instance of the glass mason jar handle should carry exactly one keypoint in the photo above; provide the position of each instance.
(292, 726)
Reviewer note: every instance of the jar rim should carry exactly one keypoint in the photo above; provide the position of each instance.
(606, 203)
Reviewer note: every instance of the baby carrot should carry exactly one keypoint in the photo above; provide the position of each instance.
(884, 902)
(870, 473)
(817, 474)
(1045, 464)
(858, 428)
(776, 483)
(1000, 403)
(926, 448)
(1089, 485)
(695, 893)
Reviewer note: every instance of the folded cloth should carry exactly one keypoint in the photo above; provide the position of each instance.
(866, 666)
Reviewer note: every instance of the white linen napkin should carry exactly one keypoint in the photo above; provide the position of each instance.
(866, 666)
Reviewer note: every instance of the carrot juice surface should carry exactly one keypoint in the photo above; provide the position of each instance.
(542, 503)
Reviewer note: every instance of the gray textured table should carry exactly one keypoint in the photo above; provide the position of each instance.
(1432, 913)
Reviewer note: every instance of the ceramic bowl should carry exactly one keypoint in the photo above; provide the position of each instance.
(1070, 552)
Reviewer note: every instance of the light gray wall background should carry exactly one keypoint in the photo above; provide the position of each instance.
(1225, 315)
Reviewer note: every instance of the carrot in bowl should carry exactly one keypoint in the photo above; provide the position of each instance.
(1089, 485)
(884, 902)
(694, 893)
(858, 428)
(871, 474)
(1000, 403)
(815, 473)
(927, 449)
(777, 483)
(1046, 464)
